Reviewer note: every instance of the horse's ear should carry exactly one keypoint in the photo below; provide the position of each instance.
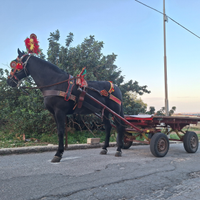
(20, 54)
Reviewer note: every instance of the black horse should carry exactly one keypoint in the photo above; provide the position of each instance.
(47, 74)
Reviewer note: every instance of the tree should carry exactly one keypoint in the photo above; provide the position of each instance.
(23, 111)
(99, 67)
(53, 50)
(161, 112)
(171, 112)
(133, 104)
(151, 110)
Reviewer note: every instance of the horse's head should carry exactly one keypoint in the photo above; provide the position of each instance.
(19, 70)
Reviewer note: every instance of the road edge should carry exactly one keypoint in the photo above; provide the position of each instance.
(39, 149)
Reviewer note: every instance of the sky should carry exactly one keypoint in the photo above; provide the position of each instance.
(128, 29)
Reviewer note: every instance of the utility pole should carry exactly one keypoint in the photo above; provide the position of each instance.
(165, 63)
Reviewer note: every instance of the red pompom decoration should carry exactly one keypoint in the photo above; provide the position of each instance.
(19, 66)
(32, 44)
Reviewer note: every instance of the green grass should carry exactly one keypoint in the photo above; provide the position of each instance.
(74, 137)
(175, 136)
(192, 128)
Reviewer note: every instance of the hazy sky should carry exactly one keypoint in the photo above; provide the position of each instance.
(128, 29)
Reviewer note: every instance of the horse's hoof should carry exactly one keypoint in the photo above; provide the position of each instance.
(118, 154)
(103, 151)
(56, 159)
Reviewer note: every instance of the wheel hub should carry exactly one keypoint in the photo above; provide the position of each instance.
(193, 142)
(161, 145)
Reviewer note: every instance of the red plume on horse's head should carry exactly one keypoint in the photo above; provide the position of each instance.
(32, 44)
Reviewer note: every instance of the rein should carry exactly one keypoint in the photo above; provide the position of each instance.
(90, 88)
(45, 86)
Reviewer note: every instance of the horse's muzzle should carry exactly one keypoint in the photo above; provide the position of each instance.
(12, 83)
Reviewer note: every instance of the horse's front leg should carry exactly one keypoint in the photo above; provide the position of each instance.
(60, 121)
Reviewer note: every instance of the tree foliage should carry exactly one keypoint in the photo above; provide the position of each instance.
(99, 67)
(161, 112)
(23, 112)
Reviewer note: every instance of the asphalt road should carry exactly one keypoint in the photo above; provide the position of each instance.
(85, 174)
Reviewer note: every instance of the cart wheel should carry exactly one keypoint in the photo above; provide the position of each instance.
(159, 145)
(126, 143)
(190, 142)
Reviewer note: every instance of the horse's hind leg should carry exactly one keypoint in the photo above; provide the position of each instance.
(60, 121)
(108, 127)
(120, 135)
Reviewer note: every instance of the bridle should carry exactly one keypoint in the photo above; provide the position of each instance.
(25, 63)
(13, 76)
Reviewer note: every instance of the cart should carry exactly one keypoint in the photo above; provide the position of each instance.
(154, 130)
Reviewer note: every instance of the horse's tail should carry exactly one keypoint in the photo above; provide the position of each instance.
(122, 115)
(122, 110)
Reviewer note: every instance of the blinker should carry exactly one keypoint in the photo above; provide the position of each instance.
(13, 64)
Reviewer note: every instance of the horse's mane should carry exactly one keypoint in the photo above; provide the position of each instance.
(50, 66)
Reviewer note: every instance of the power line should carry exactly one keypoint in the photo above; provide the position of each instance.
(169, 18)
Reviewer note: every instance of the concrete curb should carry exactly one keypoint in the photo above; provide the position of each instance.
(39, 149)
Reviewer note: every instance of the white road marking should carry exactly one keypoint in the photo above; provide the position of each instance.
(63, 159)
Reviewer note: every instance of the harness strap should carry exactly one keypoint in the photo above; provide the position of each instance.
(57, 93)
(109, 95)
(69, 89)
(67, 95)
(81, 98)
(115, 99)
(73, 97)
(111, 87)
